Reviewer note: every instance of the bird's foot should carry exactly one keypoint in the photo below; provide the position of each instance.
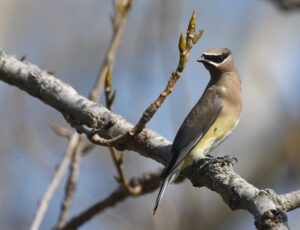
(198, 165)
(208, 160)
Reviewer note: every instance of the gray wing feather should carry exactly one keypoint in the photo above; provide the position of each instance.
(196, 124)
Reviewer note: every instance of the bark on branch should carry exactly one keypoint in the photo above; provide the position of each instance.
(83, 113)
(218, 175)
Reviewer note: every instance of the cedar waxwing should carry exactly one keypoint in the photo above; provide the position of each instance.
(212, 118)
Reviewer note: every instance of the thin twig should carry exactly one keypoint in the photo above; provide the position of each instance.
(122, 9)
(87, 148)
(71, 183)
(121, 13)
(147, 183)
(117, 160)
(56, 180)
(60, 131)
(185, 45)
(63, 132)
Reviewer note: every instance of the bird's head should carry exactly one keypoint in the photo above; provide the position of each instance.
(217, 60)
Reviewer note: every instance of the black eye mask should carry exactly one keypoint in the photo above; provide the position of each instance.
(216, 58)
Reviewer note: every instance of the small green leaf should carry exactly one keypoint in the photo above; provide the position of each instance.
(182, 43)
(192, 23)
(198, 36)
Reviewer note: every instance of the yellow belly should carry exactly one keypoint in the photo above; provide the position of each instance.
(217, 133)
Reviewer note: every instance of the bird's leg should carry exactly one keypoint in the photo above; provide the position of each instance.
(198, 165)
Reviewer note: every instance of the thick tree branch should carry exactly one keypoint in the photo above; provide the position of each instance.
(84, 113)
(218, 175)
(289, 201)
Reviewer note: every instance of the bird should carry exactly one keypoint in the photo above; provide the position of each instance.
(211, 120)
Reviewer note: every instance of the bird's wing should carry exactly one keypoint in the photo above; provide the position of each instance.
(195, 125)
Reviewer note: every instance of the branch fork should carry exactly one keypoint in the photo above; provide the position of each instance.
(185, 45)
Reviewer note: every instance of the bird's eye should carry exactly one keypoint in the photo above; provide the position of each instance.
(216, 58)
(221, 58)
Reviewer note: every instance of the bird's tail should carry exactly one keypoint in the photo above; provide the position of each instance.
(165, 182)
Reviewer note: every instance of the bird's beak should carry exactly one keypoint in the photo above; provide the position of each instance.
(201, 59)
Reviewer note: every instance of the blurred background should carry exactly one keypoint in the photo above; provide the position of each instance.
(70, 38)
